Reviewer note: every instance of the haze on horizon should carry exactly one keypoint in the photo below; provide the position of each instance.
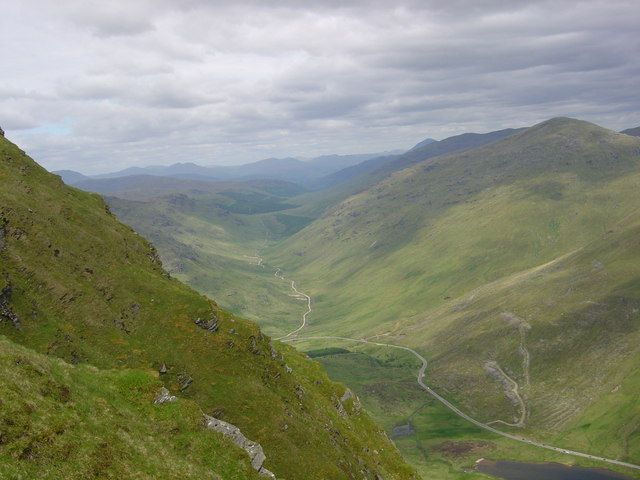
(99, 86)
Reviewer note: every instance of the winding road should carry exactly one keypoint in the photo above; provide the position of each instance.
(293, 337)
(297, 294)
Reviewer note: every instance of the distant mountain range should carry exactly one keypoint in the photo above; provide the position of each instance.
(286, 169)
(635, 132)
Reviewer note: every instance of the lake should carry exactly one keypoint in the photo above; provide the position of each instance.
(544, 471)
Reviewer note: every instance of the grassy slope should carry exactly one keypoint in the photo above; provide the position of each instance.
(88, 290)
(439, 251)
(415, 226)
(60, 421)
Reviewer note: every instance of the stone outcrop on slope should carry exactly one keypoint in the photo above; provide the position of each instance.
(253, 449)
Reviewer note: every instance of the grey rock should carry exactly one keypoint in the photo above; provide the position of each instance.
(299, 392)
(253, 449)
(163, 369)
(253, 345)
(164, 396)
(356, 406)
(211, 325)
(346, 395)
(185, 380)
(288, 369)
(266, 473)
(5, 309)
(1, 132)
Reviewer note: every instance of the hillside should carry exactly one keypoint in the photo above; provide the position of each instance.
(78, 285)
(520, 256)
(635, 132)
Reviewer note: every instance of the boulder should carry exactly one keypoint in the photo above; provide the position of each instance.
(164, 396)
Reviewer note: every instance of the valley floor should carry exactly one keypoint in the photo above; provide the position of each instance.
(441, 437)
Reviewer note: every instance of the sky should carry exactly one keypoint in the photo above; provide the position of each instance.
(97, 86)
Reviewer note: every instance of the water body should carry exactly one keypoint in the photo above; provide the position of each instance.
(544, 471)
(402, 430)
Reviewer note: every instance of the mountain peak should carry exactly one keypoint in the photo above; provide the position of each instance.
(424, 143)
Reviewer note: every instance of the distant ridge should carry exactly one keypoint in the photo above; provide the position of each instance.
(376, 168)
(635, 132)
(285, 169)
(70, 177)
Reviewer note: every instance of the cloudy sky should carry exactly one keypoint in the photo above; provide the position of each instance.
(97, 86)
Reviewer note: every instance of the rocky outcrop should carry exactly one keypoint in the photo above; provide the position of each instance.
(354, 406)
(1, 132)
(211, 325)
(184, 380)
(5, 309)
(164, 396)
(253, 449)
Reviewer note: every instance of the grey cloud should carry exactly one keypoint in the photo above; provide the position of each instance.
(110, 84)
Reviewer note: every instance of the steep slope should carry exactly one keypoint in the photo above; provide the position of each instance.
(78, 422)
(514, 262)
(78, 285)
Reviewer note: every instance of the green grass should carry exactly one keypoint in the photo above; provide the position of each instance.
(88, 290)
(60, 421)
